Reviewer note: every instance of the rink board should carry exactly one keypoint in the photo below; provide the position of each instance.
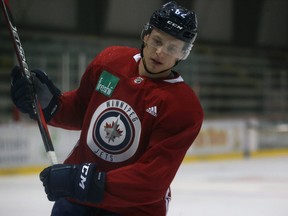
(22, 150)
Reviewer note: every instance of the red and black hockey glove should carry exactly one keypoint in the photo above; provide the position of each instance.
(81, 182)
(22, 93)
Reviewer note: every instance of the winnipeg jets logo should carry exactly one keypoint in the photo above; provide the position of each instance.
(114, 131)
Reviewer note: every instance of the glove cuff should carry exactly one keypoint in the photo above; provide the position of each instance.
(52, 108)
(89, 184)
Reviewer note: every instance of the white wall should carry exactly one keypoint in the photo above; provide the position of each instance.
(21, 144)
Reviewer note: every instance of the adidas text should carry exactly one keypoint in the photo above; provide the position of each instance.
(152, 110)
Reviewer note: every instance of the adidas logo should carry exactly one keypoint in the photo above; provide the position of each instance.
(152, 110)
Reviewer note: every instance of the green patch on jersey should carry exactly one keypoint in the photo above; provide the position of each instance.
(107, 83)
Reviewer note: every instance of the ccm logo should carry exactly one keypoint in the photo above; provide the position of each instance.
(174, 25)
(83, 177)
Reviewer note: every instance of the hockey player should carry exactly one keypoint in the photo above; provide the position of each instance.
(137, 119)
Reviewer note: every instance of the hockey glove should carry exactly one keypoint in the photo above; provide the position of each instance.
(22, 93)
(81, 182)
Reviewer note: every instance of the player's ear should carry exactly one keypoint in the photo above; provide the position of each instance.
(146, 37)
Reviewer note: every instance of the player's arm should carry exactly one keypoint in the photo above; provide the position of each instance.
(64, 110)
(73, 104)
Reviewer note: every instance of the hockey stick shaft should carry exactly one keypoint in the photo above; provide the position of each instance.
(26, 72)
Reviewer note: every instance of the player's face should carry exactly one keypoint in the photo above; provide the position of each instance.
(161, 52)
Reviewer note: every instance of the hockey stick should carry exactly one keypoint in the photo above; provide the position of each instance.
(26, 73)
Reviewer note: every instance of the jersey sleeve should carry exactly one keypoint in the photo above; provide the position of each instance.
(73, 104)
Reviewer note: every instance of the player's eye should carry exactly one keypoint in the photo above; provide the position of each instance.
(156, 42)
(172, 49)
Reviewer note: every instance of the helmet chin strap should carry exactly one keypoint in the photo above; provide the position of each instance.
(145, 66)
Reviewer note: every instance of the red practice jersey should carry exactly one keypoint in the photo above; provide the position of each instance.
(134, 128)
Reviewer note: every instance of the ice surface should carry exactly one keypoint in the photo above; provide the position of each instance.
(254, 187)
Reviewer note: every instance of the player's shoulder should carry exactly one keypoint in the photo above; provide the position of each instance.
(115, 56)
(180, 96)
(119, 48)
(179, 103)
(118, 52)
(176, 87)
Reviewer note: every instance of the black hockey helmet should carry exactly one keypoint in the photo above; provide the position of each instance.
(176, 21)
